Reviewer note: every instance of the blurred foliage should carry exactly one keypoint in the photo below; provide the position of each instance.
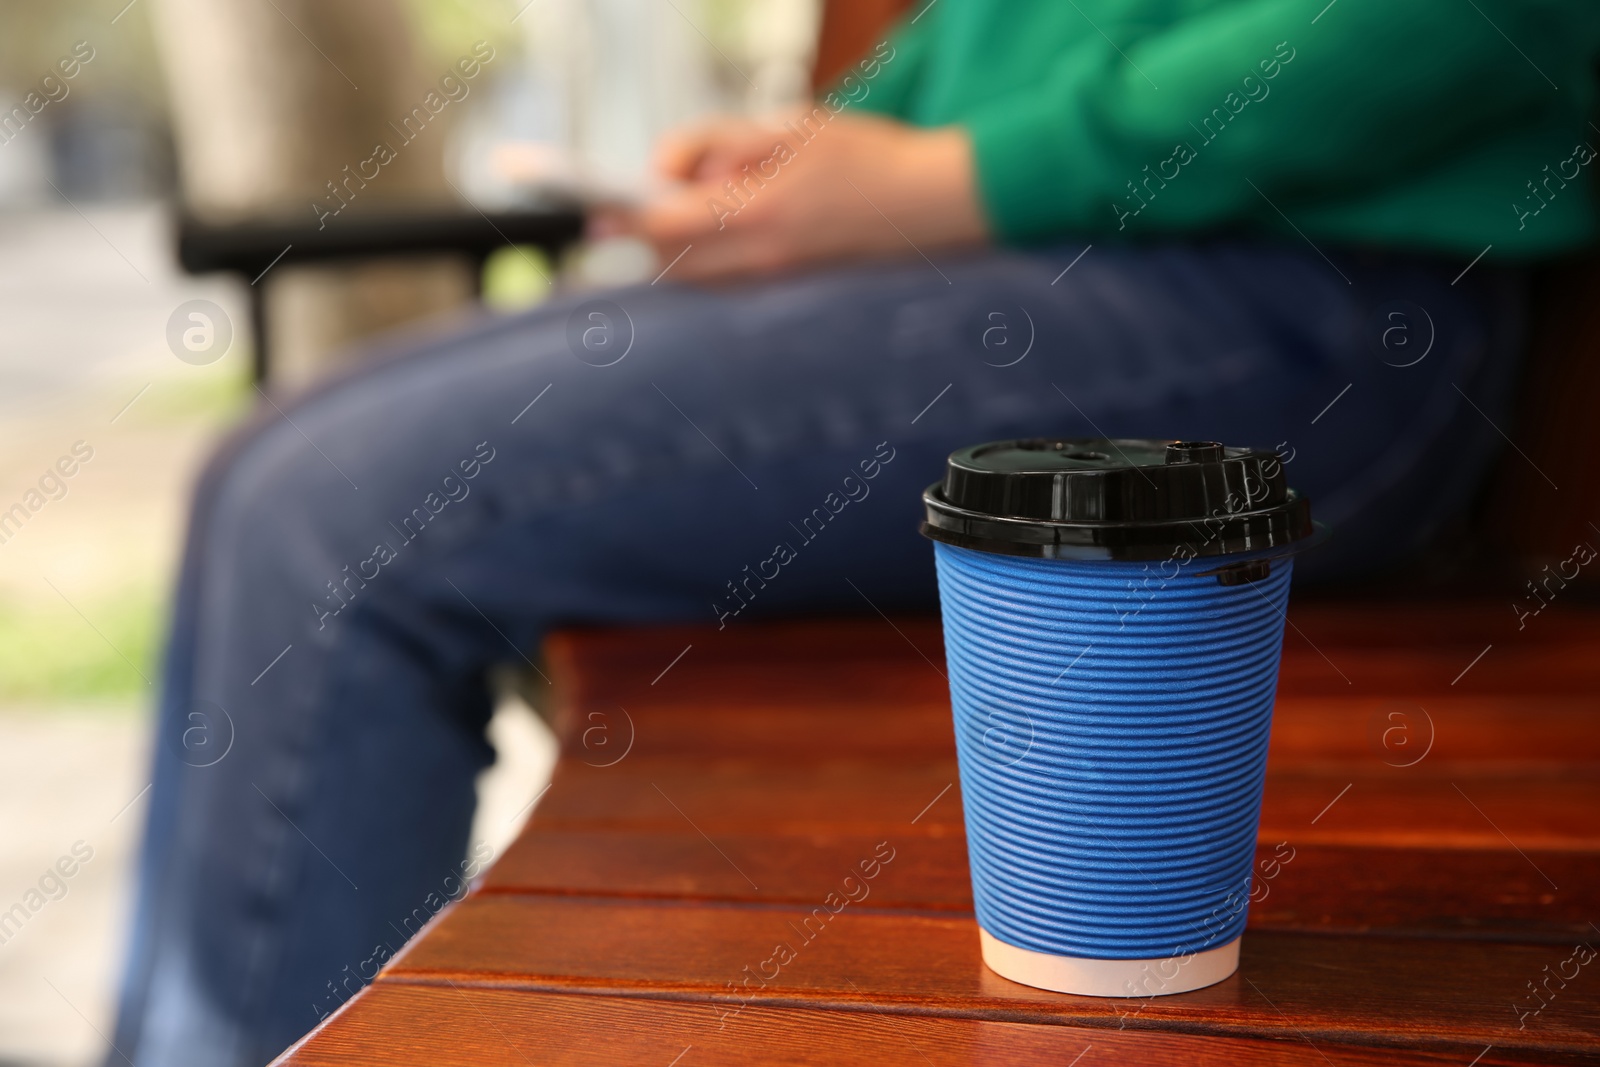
(723, 20)
(35, 33)
(446, 29)
(724, 24)
(38, 32)
(48, 652)
(516, 278)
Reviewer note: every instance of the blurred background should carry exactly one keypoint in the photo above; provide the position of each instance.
(123, 124)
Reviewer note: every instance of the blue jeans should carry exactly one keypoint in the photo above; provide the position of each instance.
(359, 559)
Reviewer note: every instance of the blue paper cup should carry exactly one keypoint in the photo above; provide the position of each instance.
(1113, 616)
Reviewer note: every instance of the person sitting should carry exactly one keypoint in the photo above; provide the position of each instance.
(1239, 220)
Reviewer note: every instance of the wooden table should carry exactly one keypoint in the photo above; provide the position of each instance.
(1438, 799)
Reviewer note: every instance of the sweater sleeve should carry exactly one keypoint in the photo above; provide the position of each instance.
(1194, 125)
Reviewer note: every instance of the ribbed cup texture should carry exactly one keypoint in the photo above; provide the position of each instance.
(1111, 724)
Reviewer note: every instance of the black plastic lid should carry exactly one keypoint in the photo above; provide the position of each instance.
(1132, 499)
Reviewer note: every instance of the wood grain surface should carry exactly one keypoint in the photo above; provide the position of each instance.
(1429, 858)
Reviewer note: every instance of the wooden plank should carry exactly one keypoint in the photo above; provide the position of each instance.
(1424, 806)
(1366, 623)
(606, 657)
(682, 865)
(759, 690)
(1446, 727)
(1402, 649)
(1376, 731)
(760, 727)
(599, 665)
(1436, 807)
(850, 31)
(755, 797)
(1393, 652)
(406, 1025)
(1440, 995)
(1426, 891)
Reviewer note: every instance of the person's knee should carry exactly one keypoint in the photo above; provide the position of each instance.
(261, 490)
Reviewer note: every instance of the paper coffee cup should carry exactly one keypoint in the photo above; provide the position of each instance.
(1113, 616)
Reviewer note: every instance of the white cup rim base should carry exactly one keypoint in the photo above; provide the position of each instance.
(1109, 978)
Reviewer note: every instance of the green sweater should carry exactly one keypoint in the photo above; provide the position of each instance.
(1444, 125)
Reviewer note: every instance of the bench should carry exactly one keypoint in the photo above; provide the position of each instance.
(1428, 864)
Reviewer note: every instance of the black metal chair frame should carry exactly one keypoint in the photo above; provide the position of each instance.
(251, 249)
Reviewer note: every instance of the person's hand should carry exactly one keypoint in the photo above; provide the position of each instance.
(857, 187)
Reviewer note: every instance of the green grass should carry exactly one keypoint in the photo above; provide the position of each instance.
(50, 653)
(209, 396)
